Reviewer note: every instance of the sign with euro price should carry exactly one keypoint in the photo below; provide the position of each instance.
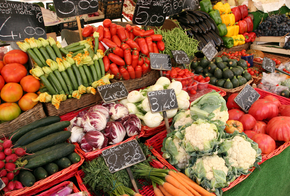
(191, 4)
(269, 65)
(113, 92)
(180, 57)
(162, 100)
(247, 97)
(160, 61)
(209, 51)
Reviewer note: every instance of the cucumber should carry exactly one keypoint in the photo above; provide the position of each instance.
(40, 173)
(63, 162)
(74, 157)
(39, 123)
(47, 141)
(26, 178)
(40, 132)
(50, 156)
(51, 168)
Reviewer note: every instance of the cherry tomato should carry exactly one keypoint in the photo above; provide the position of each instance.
(195, 77)
(207, 79)
(199, 78)
(278, 62)
(252, 72)
(193, 92)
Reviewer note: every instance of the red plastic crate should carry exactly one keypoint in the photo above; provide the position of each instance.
(58, 188)
(283, 100)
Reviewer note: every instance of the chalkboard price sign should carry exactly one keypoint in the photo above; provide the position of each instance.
(191, 4)
(20, 20)
(160, 61)
(247, 97)
(174, 7)
(68, 8)
(268, 64)
(180, 57)
(124, 155)
(162, 100)
(113, 91)
(209, 51)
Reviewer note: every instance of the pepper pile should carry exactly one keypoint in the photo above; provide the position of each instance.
(245, 22)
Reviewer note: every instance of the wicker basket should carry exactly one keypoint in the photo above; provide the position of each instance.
(59, 187)
(257, 79)
(25, 118)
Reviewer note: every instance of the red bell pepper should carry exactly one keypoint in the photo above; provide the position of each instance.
(236, 11)
(250, 24)
(244, 11)
(242, 26)
(252, 36)
(247, 37)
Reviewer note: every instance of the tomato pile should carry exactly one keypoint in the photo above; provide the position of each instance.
(17, 89)
(260, 60)
(128, 48)
(236, 55)
(254, 71)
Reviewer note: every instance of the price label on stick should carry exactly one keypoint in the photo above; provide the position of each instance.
(160, 61)
(180, 57)
(268, 64)
(247, 97)
(113, 92)
(68, 8)
(191, 4)
(124, 155)
(209, 51)
(19, 20)
(162, 100)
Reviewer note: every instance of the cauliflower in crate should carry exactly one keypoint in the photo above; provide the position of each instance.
(182, 118)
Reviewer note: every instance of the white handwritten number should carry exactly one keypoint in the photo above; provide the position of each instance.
(73, 7)
(34, 31)
(154, 104)
(87, 4)
(139, 18)
(12, 35)
(107, 97)
(173, 97)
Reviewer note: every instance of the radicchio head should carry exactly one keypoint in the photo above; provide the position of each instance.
(132, 124)
(118, 111)
(96, 139)
(94, 121)
(85, 146)
(101, 109)
(109, 106)
(77, 134)
(115, 132)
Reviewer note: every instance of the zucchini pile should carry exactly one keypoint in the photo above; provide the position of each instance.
(223, 72)
(48, 152)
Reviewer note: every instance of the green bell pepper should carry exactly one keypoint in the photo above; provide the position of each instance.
(228, 42)
(205, 5)
(215, 15)
(222, 29)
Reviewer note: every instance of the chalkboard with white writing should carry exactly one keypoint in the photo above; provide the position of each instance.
(209, 51)
(180, 57)
(176, 7)
(162, 100)
(247, 97)
(68, 8)
(268, 64)
(112, 92)
(160, 61)
(19, 20)
(191, 4)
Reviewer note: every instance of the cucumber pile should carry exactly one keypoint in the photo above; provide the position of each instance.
(223, 72)
(45, 141)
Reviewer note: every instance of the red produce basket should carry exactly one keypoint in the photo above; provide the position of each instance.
(148, 131)
(283, 100)
(222, 92)
(58, 188)
(49, 181)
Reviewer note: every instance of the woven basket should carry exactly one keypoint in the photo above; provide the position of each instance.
(257, 79)
(49, 181)
(59, 187)
(25, 118)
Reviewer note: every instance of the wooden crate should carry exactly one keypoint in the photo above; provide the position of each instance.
(268, 48)
(270, 39)
(273, 44)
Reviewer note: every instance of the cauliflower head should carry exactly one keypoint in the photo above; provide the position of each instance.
(222, 116)
(182, 118)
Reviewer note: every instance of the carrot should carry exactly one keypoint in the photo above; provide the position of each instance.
(177, 184)
(137, 194)
(165, 193)
(183, 182)
(195, 186)
(158, 192)
(172, 189)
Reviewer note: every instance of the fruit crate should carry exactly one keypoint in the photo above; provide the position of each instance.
(273, 44)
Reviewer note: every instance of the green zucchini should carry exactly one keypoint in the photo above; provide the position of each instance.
(74, 49)
(57, 51)
(232, 63)
(213, 80)
(67, 82)
(198, 70)
(63, 162)
(40, 132)
(40, 173)
(72, 45)
(225, 58)
(40, 57)
(84, 76)
(47, 141)
(242, 80)
(98, 69)
(72, 78)
(211, 67)
(51, 168)
(221, 65)
(220, 82)
(102, 67)
(64, 51)
(61, 81)
(34, 57)
(217, 59)
(49, 157)
(74, 157)
(227, 73)
(88, 74)
(247, 75)
(39, 123)
(44, 53)
(26, 178)
(51, 53)
(194, 64)
(78, 75)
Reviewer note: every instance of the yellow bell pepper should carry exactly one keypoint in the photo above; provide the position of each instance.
(236, 29)
(220, 7)
(232, 19)
(231, 31)
(242, 39)
(228, 19)
(236, 40)
(227, 8)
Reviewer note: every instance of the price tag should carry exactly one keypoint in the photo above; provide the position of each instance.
(113, 92)
(268, 64)
(124, 155)
(180, 57)
(191, 4)
(174, 7)
(160, 61)
(68, 8)
(162, 100)
(20, 20)
(151, 13)
(247, 97)
(209, 51)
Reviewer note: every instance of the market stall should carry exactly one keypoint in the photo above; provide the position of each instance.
(185, 99)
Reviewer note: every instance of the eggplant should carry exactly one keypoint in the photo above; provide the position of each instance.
(201, 40)
(183, 21)
(220, 40)
(207, 23)
(194, 28)
(190, 19)
(202, 14)
(201, 27)
(193, 18)
(204, 26)
(215, 39)
(213, 25)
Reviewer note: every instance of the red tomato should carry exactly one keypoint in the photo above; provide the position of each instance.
(252, 73)
(235, 114)
(284, 110)
(30, 84)
(265, 142)
(231, 104)
(107, 23)
(207, 79)
(195, 77)
(263, 109)
(193, 92)
(250, 133)
(278, 62)
(13, 72)
(15, 56)
(260, 127)
(2, 82)
(87, 31)
(1, 65)
(199, 78)
(9, 111)
(248, 121)
(279, 128)
(273, 99)
(26, 103)
(11, 92)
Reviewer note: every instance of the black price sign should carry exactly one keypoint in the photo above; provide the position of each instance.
(209, 51)
(180, 57)
(191, 4)
(247, 97)
(160, 61)
(151, 13)
(124, 155)
(268, 65)
(20, 20)
(68, 8)
(174, 7)
(113, 92)
(162, 100)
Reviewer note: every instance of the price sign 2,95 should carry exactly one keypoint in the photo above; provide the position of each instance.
(162, 100)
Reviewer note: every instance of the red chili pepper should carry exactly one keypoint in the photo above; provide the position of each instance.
(121, 33)
(125, 73)
(138, 71)
(145, 68)
(116, 40)
(109, 43)
(131, 72)
(129, 27)
(107, 33)
(127, 34)
(87, 31)
(115, 71)
(131, 36)
(155, 49)
(160, 45)
(149, 44)
(147, 60)
(156, 37)
(133, 44)
(127, 56)
(106, 62)
(140, 61)
(101, 32)
(138, 32)
(113, 29)
(135, 58)
(116, 59)
(101, 47)
(125, 46)
(149, 32)
(118, 51)
(143, 46)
